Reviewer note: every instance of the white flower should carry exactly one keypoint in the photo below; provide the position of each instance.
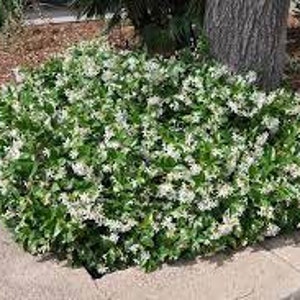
(107, 76)
(267, 188)
(272, 230)
(128, 225)
(109, 133)
(185, 194)
(151, 66)
(293, 170)
(74, 154)
(261, 99)
(226, 227)
(266, 212)
(251, 77)
(4, 185)
(171, 151)
(261, 139)
(107, 168)
(154, 101)
(190, 140)
(243, 185)
(207, 204)
(145, 256)
(132, 62)
(62, 115)
(14, 152)
(195, 169)
(81, 169)
(14, 133)
(64, 198)
(134, 248)
(60, 80)
(102, 269)
(218, 71)
(18, 75)
(168, 223)
(16, 105)
(73, 96)
(224, 191)
(166, 190)
(272, 124)
(121, 118)
(114, 144)
(60, 174)
(114, 237)
(90, 68)
(68, 143)
(124, 14)
(50, 174)
(4, 89)
(216, 153)
(46, 152)
(295, 111)
(233, 106)
(223, 230)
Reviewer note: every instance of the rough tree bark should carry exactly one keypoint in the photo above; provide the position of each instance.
(249, 35)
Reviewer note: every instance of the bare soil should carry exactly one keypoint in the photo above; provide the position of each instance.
(293, 49)
(31, 45)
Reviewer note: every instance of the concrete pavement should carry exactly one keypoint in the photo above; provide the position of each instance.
(54, 14)
(45, 14)
(22, 277)
(270, 271)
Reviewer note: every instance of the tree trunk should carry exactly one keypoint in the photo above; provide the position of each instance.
(249, 35)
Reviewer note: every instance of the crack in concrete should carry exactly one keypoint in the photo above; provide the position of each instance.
(284, 260)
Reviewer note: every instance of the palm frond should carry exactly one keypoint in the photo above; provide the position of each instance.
(167, 23)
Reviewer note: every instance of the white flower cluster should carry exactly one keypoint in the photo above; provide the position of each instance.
(160, 155)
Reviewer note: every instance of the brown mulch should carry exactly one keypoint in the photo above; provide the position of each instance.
(31, 45)
(293, 49)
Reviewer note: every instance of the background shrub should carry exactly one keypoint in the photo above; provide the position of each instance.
(10, 10)
(163, 28)
(113, 159)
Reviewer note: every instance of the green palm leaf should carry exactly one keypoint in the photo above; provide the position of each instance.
(161, 25)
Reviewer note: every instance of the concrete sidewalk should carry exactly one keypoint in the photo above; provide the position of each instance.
(270, 271)
(54, 14)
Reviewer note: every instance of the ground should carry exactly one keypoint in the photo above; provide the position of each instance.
(31, 45)
(293, 47)
(270, 270)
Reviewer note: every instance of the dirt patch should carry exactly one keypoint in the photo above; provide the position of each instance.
(31, 45)
(34, 44)
(293, 49)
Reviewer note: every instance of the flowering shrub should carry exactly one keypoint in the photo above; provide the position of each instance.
(112, 159)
